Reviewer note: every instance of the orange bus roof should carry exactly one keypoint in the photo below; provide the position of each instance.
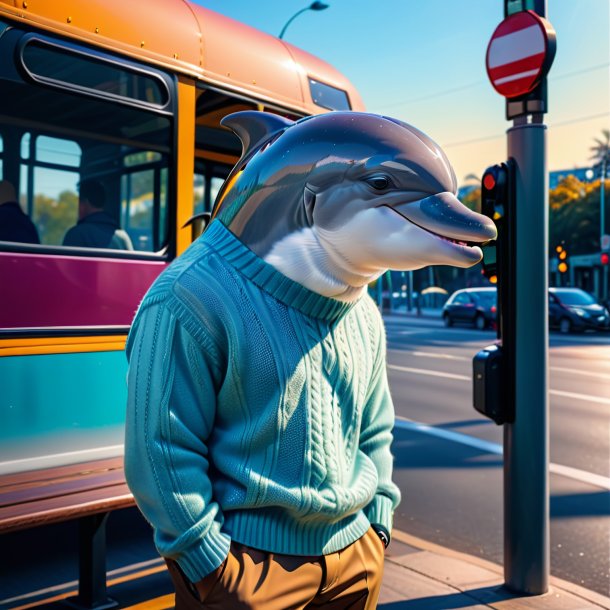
(191, 40)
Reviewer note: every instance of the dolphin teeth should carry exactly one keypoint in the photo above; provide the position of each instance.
(451, 240)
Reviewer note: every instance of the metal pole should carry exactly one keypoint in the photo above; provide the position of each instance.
(388, 275)
(602, 224)
(526, 441)
(410, 291)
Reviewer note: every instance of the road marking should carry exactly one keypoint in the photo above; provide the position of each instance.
(562, 369)
(496, 449)
(407, 369)
(441, 356)
(559, 369)
(581, 475)
(586, 397)
(456, 437)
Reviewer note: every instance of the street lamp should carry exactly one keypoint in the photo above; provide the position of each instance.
(314, 6)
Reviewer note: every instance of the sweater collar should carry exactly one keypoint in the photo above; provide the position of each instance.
(266, 277)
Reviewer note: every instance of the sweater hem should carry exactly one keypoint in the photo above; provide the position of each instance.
(269, 530)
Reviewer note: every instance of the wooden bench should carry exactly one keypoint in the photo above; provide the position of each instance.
(88, 491)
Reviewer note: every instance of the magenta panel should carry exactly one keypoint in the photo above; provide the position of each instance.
(48, 290)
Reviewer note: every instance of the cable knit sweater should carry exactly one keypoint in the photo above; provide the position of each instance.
(258, 411)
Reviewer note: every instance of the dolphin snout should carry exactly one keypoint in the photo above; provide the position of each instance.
(445, 215)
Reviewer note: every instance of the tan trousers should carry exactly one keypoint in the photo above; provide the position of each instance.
(257, 580)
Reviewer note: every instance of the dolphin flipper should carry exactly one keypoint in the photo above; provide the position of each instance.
(253, 127)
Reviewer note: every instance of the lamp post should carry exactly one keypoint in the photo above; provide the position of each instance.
(314, 6)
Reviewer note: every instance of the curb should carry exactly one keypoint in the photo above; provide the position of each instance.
(556, 583)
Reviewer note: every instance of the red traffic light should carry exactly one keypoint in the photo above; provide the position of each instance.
(489, 181)
(605, 258)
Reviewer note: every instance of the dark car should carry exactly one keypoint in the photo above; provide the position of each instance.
(476, 306)
(573, 309)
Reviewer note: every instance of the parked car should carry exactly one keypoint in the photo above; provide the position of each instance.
(476, 306)
(573, 309)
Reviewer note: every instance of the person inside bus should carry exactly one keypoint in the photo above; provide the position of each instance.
(15, 225)
(95, 227)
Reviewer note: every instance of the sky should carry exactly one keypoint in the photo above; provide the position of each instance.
(423, 61)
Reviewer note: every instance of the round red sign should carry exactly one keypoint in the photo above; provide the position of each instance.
(520, 53)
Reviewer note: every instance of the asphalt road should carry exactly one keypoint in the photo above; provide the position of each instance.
(450, 469)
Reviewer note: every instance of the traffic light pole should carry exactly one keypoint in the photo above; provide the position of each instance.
(526, 440)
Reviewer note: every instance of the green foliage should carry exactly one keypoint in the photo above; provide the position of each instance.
(574, 216)
(53, 217)
(472, 199)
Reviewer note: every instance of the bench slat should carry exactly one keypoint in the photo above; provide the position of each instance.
(63, 487)
(58, 472)
(52, 495)
(55, 510)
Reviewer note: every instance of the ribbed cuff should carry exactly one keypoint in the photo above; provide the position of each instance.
(211, 551)
(380, 511)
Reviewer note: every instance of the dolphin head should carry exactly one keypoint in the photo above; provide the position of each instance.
(375, 192)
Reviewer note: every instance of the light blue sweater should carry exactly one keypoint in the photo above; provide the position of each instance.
(258, 411)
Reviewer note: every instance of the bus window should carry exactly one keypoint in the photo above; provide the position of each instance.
(47, 62)
(144, 200)
(106, 123)
(198, 193)
(328, 97)
(206, 185)
(49, 178)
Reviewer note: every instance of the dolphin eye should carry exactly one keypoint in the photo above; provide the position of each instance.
(379, 183)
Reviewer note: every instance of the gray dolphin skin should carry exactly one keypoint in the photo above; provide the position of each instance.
(334, 200)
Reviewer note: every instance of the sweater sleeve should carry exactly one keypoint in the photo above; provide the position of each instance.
(170, 412)
(376, 438)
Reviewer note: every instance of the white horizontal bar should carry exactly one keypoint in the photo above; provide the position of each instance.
(513, 77)
(515, 46)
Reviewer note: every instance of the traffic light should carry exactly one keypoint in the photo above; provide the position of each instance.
(605, 258)
(562, 259)
(495, 197)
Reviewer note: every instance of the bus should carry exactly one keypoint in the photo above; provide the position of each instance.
(128, 95)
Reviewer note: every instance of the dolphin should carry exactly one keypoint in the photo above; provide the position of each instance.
(334, 200)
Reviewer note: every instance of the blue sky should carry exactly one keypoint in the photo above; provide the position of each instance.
(424, 62)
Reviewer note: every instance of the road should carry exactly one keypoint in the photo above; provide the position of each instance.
(450, 469)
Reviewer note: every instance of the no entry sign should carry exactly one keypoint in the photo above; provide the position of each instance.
(520, 54)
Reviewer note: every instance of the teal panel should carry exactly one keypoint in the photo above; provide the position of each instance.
(62, 396)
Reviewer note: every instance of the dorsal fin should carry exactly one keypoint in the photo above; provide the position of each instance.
(253, 127)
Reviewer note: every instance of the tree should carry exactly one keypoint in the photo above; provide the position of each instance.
(601, 158)
(53, 217)
(601, 149)
(574, 216)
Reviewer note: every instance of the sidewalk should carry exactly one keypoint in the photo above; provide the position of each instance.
(420, 575)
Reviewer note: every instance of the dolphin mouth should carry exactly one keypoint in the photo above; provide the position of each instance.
(446, 218)
(446, 238)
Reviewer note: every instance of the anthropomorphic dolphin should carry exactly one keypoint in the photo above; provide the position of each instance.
(334, 200)
(259, 418)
